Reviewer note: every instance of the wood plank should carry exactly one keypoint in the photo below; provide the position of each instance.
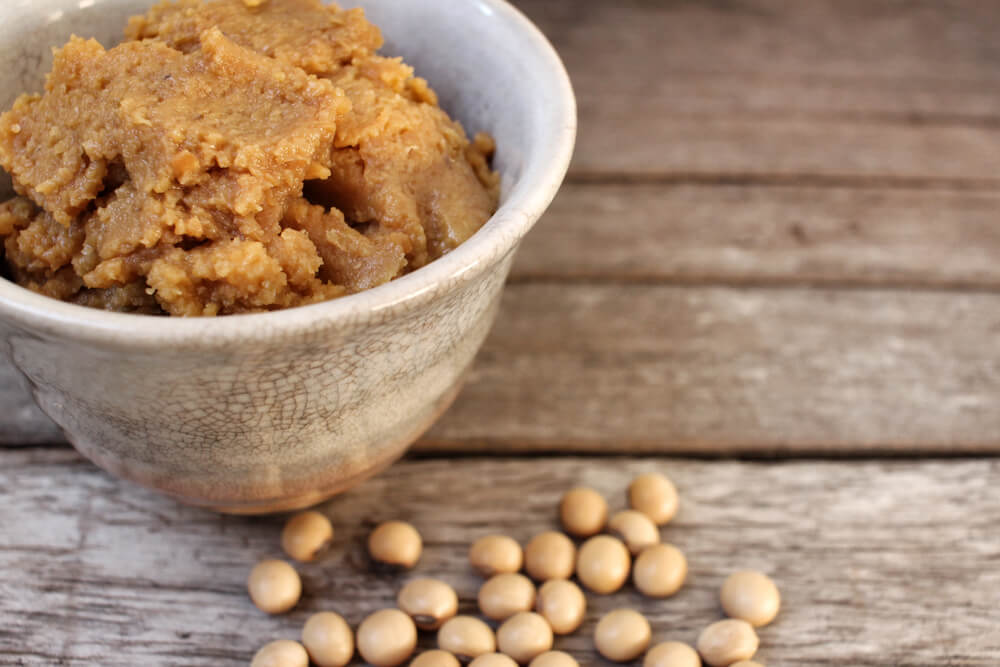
(879, 563)
(738, 234)
(859, 42)
(839, 151)
(643, 368)
(714, 370)
(769, 88)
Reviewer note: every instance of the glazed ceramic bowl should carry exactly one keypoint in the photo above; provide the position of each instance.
(275, 411)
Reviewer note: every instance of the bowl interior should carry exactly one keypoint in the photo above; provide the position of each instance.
(492, 69)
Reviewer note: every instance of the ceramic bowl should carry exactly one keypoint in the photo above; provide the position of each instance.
(276, 411)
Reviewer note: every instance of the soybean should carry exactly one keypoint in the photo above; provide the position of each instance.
(306, 535)
(562, 604)
(635, 529)
(549, 555)
(429, 602)
(524, 636)
(274, 586)
(328, 639)
(603, 563)
(660, 570)
(435, 658)
(395, 543)
(496, 554)
(387, 638)
(504, 595)
(671, 654)
(622, 635)
(583, 511)
(466, 637)
(554, 659)
(281, 653)
(751, 596)
(655, 496)
(725, 642)
(493, 660)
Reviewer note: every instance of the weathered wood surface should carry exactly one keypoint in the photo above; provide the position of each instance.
(822, 57)
(778, 236)
(650, 368)
(765, 234)
(879, 563)
(852, 90)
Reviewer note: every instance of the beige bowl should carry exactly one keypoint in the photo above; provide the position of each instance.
(267, 412)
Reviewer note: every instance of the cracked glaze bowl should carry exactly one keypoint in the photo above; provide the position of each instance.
(276, 411)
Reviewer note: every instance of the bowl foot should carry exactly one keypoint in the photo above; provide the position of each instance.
(304, 493)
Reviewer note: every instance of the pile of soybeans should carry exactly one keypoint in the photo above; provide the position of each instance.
(527, 618)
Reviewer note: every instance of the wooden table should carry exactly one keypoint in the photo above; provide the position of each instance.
(773, 274)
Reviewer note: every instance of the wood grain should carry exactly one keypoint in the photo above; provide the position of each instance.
(834, 90)
(648, 368)
(879, 563)
(715, 370)
(763, 234)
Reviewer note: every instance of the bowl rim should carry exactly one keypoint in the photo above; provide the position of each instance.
(527, 198)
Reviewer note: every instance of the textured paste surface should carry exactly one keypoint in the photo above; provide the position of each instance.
(234, 157)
